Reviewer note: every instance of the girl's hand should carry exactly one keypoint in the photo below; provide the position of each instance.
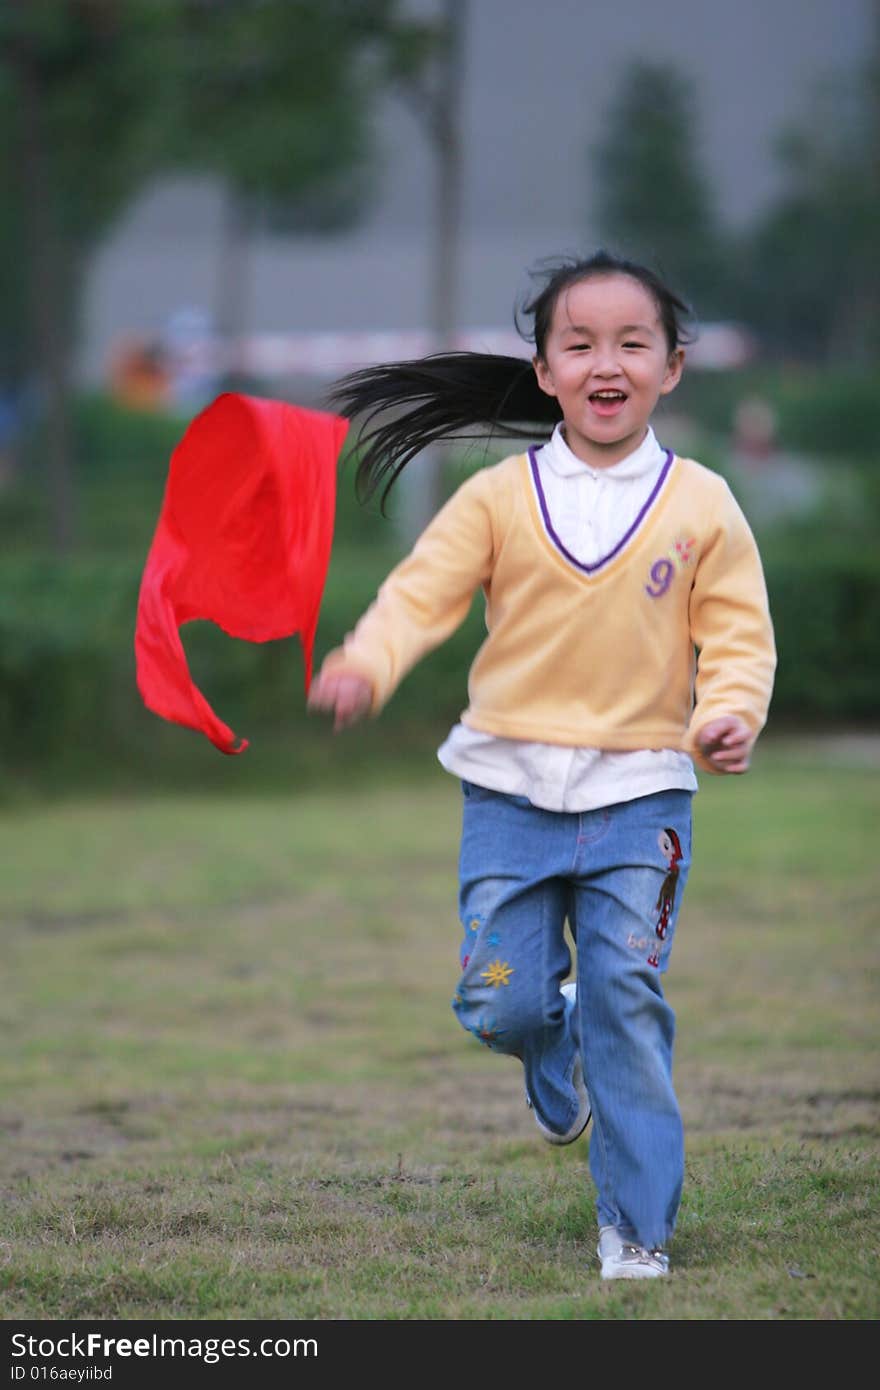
(726, 743)
(348, 697)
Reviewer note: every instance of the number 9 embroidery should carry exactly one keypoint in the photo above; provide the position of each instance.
(661, 578)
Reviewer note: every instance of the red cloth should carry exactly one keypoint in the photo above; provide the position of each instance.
(243, 540)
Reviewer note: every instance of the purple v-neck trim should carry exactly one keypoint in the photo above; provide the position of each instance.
(591, 569)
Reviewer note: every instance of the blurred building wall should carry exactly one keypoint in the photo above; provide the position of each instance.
(538, 80)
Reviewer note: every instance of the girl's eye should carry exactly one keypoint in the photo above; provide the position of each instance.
(634, 345)
(579, 347)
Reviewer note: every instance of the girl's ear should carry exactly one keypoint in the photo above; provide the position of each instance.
(674, 368)
(542, 372)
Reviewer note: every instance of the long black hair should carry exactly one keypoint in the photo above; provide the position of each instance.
(466, 395)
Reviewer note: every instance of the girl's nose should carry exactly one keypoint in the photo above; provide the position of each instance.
(606, 364)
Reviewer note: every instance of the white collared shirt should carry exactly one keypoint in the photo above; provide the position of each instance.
(591, 509)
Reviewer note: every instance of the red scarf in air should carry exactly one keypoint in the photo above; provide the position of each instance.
(243, 540)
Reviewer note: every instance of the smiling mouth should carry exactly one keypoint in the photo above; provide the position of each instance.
(607, 402)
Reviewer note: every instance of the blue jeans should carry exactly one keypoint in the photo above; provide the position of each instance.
(617, 874)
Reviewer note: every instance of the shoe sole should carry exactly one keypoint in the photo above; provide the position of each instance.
(579, 1126)
(562, 1139)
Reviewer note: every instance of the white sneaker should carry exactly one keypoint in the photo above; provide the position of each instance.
(622, 1260)
(582, 1119)
(570, 990)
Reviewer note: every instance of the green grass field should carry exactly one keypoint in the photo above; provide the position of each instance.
(232, 1085)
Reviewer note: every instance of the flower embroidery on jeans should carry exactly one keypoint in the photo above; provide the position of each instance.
(486, 1031)
(497, 974)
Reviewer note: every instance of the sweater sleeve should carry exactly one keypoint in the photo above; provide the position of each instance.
(426, 597)
(731, 626)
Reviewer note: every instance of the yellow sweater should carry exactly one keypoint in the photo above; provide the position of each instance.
(591, 656)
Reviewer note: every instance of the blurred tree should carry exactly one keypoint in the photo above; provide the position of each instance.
(427, 68)
(654, 201)
(80, 83)
(98, 95)
(812, 281)
(275, 100)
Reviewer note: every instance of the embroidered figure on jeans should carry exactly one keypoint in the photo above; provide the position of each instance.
(671, 847)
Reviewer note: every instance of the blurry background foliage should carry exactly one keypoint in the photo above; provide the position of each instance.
(275, 99)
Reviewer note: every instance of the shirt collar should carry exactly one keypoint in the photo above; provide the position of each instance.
(565, 464)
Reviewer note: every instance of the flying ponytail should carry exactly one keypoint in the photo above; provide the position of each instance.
(408, 406)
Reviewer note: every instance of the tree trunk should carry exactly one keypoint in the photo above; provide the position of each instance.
(49, 296)
(422, 481)
(447, 184)
(230, 305)
(854, 334)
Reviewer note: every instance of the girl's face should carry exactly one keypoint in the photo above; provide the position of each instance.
(607, 361)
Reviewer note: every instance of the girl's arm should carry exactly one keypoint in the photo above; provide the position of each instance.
(731, 627)
(420, 604)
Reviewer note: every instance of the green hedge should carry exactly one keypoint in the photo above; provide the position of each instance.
(825, 604)
(68, 695)
(829, 412)
(120, 466)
